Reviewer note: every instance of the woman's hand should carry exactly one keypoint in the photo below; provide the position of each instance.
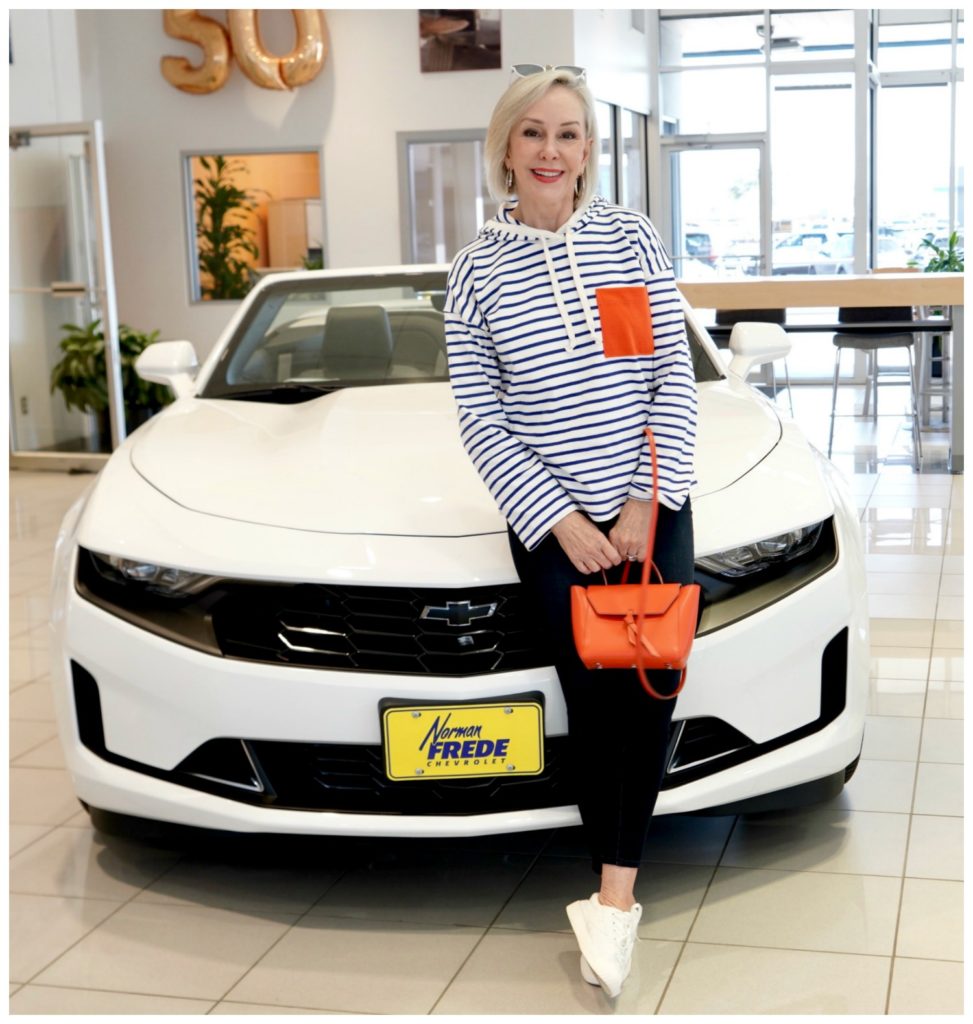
(587, 547)
(630, 532)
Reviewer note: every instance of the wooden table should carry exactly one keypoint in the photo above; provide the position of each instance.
(816, 291)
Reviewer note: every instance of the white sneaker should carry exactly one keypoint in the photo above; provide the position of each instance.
(606, 937)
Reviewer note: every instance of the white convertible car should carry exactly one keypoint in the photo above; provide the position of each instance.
(287, 603)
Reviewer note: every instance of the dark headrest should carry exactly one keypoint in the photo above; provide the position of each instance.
(359, 331)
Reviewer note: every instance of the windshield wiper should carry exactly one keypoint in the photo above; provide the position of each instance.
(289, 391)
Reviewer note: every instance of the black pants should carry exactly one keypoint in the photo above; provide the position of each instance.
(618, 734)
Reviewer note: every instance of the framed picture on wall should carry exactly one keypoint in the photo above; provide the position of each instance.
(453, 39)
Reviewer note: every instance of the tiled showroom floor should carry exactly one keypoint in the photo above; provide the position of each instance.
(850, 907)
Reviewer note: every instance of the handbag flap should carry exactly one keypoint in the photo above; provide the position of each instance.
(623, 598)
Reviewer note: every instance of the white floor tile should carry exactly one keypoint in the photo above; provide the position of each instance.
(950, 607)
(41, 796)
(446, 886)
(921, 987)
(896, 698)
(540, 975)
(45, 926)
(44, 999)
(718, 980)
(902, 606)
(880, 786)
(359, 966)
(935, 848)
(899, 662)
(27, 735)
(193, 952)
(21, 836)
(901, 632)
(942, 741)
(826, 838)
(891, 739)
(83, 863)
(47, 755)
(939, 789)
(33, 701)
(951, 585)
(931, 920)
(944, 700)
(809, 910)
(946, 664)
(921, 583)
(949, 633)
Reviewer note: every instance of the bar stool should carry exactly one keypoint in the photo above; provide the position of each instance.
(729, 317)
(871, 344)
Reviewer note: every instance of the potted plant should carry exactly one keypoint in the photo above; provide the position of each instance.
(950, 259)
(82, 376)
(223, 241)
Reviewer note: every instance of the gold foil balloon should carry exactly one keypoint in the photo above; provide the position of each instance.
(211, 36)
(269, 71)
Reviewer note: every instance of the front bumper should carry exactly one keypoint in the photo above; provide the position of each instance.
(765, 677)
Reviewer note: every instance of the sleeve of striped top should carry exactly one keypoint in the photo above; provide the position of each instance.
(672, 414)
(528, 495)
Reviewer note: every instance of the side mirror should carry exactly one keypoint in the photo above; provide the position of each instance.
(754, 344)
(169, 362)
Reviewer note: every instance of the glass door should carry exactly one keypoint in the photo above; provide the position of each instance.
(65, 380)
(719, 210)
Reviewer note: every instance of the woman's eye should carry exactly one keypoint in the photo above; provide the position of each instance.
(569, 135)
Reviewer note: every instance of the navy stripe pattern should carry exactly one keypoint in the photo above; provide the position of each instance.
(552, 424)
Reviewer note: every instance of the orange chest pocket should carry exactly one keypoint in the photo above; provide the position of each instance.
(626, 322)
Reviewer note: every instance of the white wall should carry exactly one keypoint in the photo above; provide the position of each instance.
(616, 56)
(371, 88)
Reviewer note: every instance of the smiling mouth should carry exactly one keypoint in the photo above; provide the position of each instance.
(542, 175)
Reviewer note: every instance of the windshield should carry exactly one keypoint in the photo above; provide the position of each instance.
(307, 336)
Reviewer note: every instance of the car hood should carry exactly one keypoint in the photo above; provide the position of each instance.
(379, 460)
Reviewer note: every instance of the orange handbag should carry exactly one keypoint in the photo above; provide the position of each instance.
(637, 625)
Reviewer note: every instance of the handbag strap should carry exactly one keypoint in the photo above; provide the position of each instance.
(644, 589)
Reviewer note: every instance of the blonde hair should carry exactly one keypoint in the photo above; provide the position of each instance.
(520, 95)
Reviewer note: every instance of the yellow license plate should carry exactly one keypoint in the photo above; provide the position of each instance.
(452, 741)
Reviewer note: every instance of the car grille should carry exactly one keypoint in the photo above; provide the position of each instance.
(379, 629)
(349, 777)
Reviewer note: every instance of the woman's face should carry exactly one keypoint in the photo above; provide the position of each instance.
(548, 149)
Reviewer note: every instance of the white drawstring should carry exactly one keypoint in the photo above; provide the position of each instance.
(579, 284)
(558, 297)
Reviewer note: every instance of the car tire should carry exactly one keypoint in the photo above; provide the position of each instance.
(850, 770)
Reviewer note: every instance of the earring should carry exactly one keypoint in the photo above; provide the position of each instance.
(578, 186)
(509, 180)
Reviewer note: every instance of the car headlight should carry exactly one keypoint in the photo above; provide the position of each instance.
(162, 579)
(762, 554)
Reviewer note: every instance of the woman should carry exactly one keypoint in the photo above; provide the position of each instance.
(558, 362)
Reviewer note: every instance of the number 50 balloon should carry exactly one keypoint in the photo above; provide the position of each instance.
(243, 41)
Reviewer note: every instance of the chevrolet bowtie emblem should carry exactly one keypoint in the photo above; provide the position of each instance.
(458, 613)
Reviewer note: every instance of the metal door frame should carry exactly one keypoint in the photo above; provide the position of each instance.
(672, 144)
(104, 295)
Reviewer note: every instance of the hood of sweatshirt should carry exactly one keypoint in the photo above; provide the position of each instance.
(503, 225)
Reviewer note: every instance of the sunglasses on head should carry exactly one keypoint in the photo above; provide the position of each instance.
(526, 70)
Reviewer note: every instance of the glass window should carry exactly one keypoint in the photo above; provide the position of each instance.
(718, 39)
(715, 101)
(914, 41)
(913, 180)
(448, 197)
(813, 157)
(633, 161)
(252, 212)
(811, 35)
(606, 158)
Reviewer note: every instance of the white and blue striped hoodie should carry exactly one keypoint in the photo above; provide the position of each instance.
(551, 423)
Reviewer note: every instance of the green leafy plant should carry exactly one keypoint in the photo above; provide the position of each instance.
(223, 240)
(943, 260)
(81, 375)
